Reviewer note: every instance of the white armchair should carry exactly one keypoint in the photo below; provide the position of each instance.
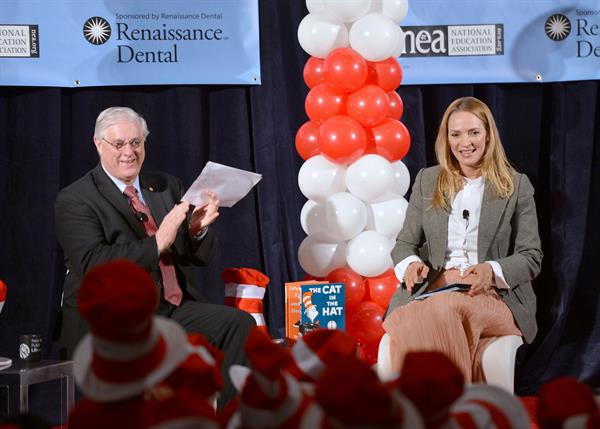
(384, 363)
(498, 361)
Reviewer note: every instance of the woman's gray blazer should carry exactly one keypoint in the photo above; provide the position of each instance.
(508, 234)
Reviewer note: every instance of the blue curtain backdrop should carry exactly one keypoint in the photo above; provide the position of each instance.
(550, 131)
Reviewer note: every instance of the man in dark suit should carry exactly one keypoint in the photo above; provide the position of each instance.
(116, 211)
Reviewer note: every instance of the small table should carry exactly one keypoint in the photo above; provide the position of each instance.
(21, 374)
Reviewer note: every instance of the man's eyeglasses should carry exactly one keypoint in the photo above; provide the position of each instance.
(120, 144)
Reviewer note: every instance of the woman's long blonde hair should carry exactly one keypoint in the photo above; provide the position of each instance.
(495, 167)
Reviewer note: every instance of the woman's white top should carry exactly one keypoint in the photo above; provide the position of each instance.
(463, 227)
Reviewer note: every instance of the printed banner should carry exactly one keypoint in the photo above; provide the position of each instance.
(135, 42)
(92, 43)
(494, 41)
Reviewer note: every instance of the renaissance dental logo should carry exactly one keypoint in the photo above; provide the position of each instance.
(557, 27)
(96, 30)
(142, 38)
(19, 41)
(579, 32)
(453, 40)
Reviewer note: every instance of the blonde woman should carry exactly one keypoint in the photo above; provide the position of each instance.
(471, 221)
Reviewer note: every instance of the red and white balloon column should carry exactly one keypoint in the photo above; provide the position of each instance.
(353, 145)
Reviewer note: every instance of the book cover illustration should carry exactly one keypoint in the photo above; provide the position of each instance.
(293, 307)
(323, 306)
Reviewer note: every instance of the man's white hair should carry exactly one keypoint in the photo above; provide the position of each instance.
(114, 115)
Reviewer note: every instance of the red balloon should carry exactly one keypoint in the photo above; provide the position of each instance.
(360, 353)
(323, 102)
(369, 105)
(355, 285)
(345, 70)
(396, 105)
(365, 325)
(342, 140)
(371, 148)
(382, 287)
(387, 74)
(369, 352)
(307, 139)
(392, 139)
(314, 72)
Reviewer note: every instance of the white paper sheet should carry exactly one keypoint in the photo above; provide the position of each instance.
(5, 363)
(230, 184)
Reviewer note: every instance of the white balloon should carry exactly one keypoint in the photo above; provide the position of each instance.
(370, 178)
(374, 36)
(315, 6)
(312, 218)
(319, 178)
(319, 34)
(318, 255)
(399, 50)
(368, 254)
(396, 10)
(348, 27)
(347, 10)
(346, 216)
(401, 178)
(387, 217)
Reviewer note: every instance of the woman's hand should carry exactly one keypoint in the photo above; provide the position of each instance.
(480, 277)
(415, 273)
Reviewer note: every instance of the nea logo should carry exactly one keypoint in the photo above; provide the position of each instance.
(453, 40)
(96, 30)
(425, 41)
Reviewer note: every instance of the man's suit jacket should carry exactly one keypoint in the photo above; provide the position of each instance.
(95, 224)
(508, 234)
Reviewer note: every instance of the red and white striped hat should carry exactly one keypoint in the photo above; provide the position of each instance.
(432, 382)
(200, 372)
(488, 407)
(566, 403)
(352, 396)
(158, 408)
(316, 350)
(2, 294)
(245, 289)
(270, 397)
(181, 409)
(90, 414)
(312, 416)
(307, 300)
(128, 349)
(583, 421)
